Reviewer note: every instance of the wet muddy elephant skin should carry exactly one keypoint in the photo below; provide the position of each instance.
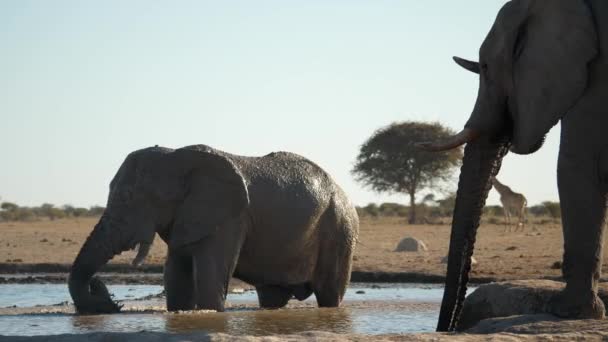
(542, 62)
(278, 222)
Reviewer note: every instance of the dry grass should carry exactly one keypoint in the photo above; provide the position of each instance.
(56, 242)
(499, 254)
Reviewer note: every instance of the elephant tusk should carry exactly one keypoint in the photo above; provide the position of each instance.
(143, 249)
(468, 65)
(465, 136)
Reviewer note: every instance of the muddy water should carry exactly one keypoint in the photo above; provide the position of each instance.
(366, 310)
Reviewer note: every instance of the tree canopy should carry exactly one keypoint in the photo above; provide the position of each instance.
(390, 161)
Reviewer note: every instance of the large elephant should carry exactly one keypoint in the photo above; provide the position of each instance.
(543, 61)
(278, 222)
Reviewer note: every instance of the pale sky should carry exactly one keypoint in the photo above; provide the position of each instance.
(84, 83)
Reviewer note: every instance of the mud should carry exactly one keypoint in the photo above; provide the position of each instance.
(152, 275)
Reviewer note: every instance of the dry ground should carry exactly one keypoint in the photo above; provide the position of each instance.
(507, 255)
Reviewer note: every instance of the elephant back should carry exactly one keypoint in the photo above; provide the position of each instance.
(284, 181)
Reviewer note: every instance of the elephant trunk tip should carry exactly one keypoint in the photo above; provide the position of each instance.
(92, 296)
(89, 293)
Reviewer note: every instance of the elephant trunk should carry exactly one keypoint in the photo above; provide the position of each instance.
(482, 160)
(89, 294)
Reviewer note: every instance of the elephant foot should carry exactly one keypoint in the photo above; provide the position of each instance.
(568, 304)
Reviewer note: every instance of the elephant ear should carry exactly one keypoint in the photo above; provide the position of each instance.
(553, 47)
(215, 192)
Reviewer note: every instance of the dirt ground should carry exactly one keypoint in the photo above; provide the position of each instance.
(505, 255)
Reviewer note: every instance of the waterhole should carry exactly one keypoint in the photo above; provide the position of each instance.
(29, 310)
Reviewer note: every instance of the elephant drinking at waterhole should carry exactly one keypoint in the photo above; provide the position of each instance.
(542, 62)
(278, 222)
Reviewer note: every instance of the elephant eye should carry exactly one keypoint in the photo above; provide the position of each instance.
(484, 67)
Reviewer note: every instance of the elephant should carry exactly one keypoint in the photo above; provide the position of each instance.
(278, 222)
(542, 62)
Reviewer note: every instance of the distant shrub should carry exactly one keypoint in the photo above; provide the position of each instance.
(493, 220)
(493, 210)
(8, 206)
(370, 210)
(445, 206)
(426, 214)
(393, 209)
(24, 214)
(79, 212)
(553, 209)
(12, 212)
(96, 211)
(538, 210)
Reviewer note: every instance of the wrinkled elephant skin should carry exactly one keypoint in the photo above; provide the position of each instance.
(542, 62)
(278, 222)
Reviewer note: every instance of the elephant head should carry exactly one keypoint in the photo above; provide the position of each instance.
(533, 68)
(184, 195)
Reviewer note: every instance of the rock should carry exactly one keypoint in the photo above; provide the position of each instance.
(410, 244)
(507, 299)
(512, 298)
(540, 327)
(360, 292)
(444, 260)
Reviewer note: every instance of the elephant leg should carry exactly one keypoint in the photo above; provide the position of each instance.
(179, 282)
(583, 206)
(330, 290)
(334, 263)
(215, 259)
(273, 297)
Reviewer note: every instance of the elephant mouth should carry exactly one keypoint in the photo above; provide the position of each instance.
(519, 148)
(469, 135)
(528, 136)
(535, 147)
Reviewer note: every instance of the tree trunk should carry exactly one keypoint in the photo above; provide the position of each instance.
(412, 213)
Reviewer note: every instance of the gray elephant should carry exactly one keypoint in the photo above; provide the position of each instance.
(543, 61)
(278, 222)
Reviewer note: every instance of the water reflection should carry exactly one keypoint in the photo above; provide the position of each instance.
(89, 323)
(373, 318)
(261, 322)
(293, 321)
(191, 322)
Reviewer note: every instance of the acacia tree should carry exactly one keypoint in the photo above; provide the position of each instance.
(390, 161)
